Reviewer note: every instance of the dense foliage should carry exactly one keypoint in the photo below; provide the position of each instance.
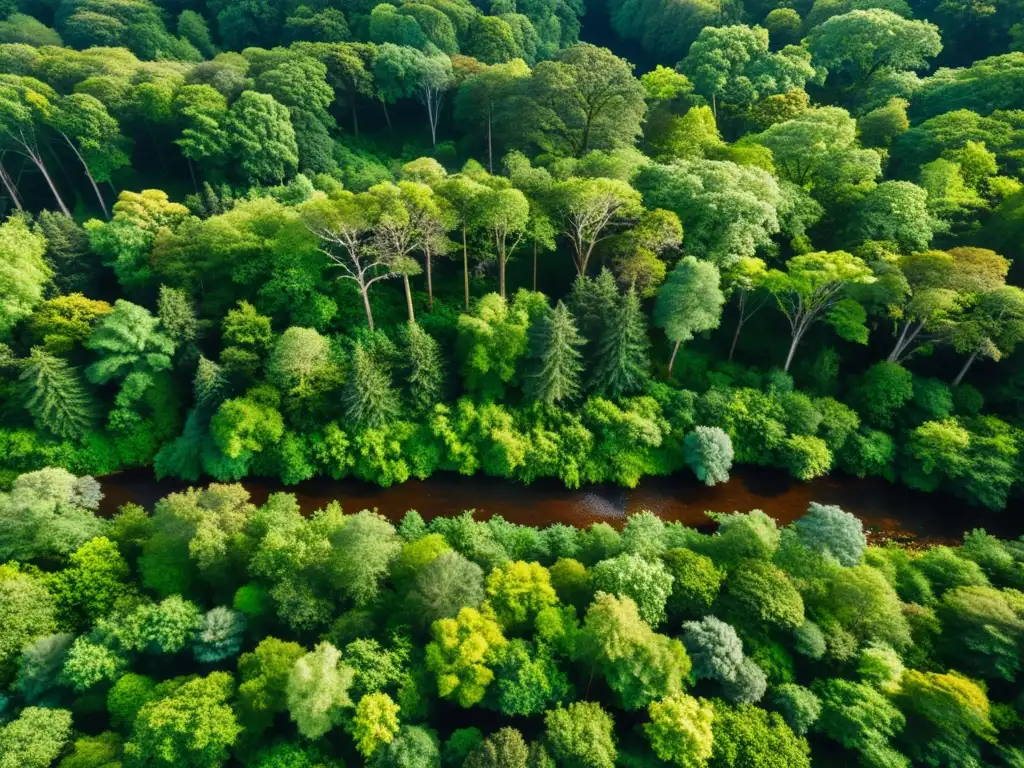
(387, 240)
(209, 631)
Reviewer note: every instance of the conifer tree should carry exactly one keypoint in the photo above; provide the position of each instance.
(424, 368)
(55, 396)
(592, 302)
(369, 398)
(554, 365)
(622, 361)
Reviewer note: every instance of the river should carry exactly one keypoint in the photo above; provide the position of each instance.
(887, 511)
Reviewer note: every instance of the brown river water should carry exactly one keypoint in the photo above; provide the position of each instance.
(887, 511)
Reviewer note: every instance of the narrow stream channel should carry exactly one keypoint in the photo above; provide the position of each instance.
(887, 511)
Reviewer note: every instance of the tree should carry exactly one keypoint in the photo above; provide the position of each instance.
(689, 302)
(827, 529)
(982, 631)
(761, 592)
(461, 654)
(35, 739)
(621, 360)
(299, 362)
(992, 328)
(414, 746)
(586, 98)
(589, 208)
(443, 587)
(696, 583)
(717, 654)
(318, 690)
(744, 279)
(23, 272)
(94, 137)
(374, 723)
(129, 346)
(94, 583)
(518, 591)
(262, 138)
(424, 369)
(48, 514)
(861, 718)
(734, 66)
(24, 104)
(192, 726)
(680, 730)
(799, 706)
(554, 359)
(639, 665)
(815, 287)
(727, 210)
(345, 222)
(581, 735)
(708, 452)
(263, 688)
(862, 45)
(896, 211)
(462, 195)
(503, 214)
(363, 550)
(55, 396)
(647, 582)
(947, 716)
(370, 400)
(221, 636)
(504, 747)
(27, 611)
(818, 151)
(747, 737)
(41, 664)
(490, 97)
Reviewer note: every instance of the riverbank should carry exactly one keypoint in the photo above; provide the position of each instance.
(888, 512)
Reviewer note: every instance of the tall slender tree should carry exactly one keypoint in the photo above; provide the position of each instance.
(622, 351)
(690, 301)
(553, 371)
(370, 400)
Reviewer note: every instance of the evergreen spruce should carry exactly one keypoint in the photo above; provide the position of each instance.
(555, 361)
(622, 351)
(424, 377)
(55, 396)
(370, 401)
(593, 302)
(209, 384)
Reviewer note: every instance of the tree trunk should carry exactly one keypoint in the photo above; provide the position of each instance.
(355, 117)
(714, 106)
(501, 273)
(672, 360)
(792, 351)
(735, 338)
(535, 264)
(408, 298)
(12, 191)
(366, 306)
(192, 173)
(95, 187)
(387, 117)
(490, 149)
(38, 161)
(430, 285)
(465, 264)
(963, 371)
(897, 350)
